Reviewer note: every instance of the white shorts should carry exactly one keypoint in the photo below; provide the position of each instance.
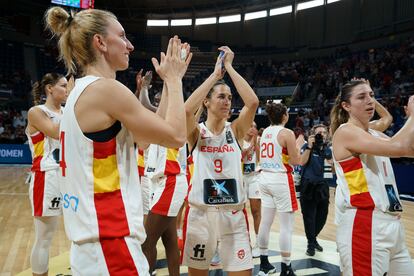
(147, 192)
(215, 228)
(169, 194)
(44, 193)
(278, 191)
(251, 183)
(371, 242)
(119, 257)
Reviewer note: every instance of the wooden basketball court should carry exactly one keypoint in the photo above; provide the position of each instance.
(17, 233)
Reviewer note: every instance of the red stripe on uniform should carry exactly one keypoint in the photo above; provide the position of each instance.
(141, 171)
(247, 222)
(292, 191)
(363, 201)
(172, 167)
(38, 192)
(118, 258)
(102, 150)
(185, 222)
(37, 138)
(36, 163)
(285, 151)
(163, 205)
(362, 243)
(110, 212)
(352, 164)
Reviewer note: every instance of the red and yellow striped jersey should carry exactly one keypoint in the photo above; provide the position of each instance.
(362, 181)
(101, 198)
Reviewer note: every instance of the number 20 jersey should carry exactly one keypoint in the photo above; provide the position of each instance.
(218, 178)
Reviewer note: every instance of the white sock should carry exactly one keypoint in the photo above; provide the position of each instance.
(286, 260)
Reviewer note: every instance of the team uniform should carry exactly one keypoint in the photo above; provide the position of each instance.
(146, 184)
(251, 172)
(44, 192)
(370, 235)
(102, 205)
(277, 187)
(216, 218)
(167, 169)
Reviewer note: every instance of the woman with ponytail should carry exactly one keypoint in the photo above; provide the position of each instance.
(278, 155)
(103, 120)
(43, 133)
(370, 235)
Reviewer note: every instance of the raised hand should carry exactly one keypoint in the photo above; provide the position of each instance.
(228, 56)
(146, 80)
(219, 72)
(138, 81)
(171, 66)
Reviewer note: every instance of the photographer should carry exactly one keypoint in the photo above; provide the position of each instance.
(314, 198)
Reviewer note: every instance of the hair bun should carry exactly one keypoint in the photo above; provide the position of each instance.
(57, 20)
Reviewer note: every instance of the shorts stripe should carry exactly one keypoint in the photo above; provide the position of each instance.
(292, 191)
(118, 258)
(185, 222)
(247, 222)
(163, 204)
(38, 193)
(362, 243)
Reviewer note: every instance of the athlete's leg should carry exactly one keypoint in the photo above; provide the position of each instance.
(169, 239)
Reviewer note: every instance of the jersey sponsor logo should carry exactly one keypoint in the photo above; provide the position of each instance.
(199, 251)
(395, 205)
(241, 254)
(220, 191)
(150, 169)
(54, 203)
(70, 201)
(266, 165)
(225, 148)
(229, 137)
(249, 168)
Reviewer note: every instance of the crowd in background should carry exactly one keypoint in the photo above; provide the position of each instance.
(390, 71)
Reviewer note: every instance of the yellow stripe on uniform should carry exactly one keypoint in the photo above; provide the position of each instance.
(285, 159)
(172, 154)
(357, 183)
(39, 148)
(106, 175)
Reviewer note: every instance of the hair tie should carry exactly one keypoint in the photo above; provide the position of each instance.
(69, 20)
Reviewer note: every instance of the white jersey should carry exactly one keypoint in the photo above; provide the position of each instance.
(166, 161)
(45, 150)
(273, 157)
(218, 178)
(249, 159)
(101, 198)
(367, 182)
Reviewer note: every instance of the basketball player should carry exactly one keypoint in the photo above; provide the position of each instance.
(43, 134)
(370, 235)
(251, 179)
(216, 217)
(165, 190)
(278, 153)
(143, 85)
(102, 201)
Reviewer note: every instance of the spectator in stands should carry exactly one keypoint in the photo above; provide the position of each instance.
(19, 120)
